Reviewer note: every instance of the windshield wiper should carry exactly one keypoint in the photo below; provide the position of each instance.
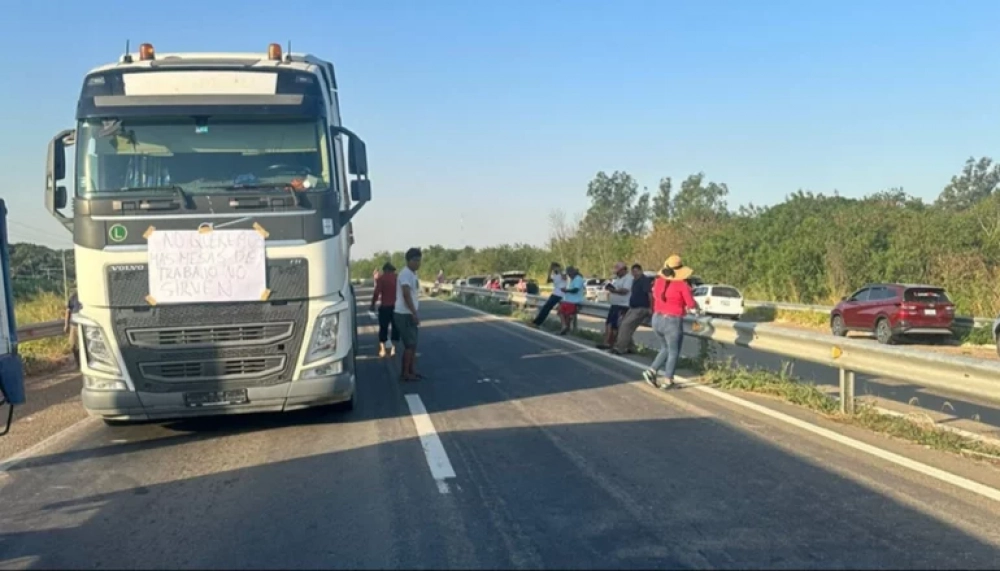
(176, 189)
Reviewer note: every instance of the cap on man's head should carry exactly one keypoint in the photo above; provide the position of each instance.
(619, 266)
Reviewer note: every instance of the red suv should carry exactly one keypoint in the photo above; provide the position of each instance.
(891, 311)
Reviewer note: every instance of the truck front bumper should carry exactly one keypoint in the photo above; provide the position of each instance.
(128, 405)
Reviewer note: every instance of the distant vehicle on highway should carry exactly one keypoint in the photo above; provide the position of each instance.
(510, 279)
(719, 301)
(595, 287)
(893, 311)
(477, 281)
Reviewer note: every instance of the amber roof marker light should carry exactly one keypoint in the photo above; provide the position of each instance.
(146, 52)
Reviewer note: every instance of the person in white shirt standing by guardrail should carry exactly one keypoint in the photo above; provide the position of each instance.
(558, 282)
(619, 289)
(672, 299)
(639, 310)
(573, 298)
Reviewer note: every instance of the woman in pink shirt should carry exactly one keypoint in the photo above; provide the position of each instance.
(672, 299)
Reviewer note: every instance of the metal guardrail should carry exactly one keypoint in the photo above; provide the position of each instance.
(979, 378)
(960, 321)
(36, 331)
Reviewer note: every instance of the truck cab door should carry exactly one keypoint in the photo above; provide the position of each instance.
(11, 371)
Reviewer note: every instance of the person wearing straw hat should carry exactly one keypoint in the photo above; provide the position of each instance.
(671, 300)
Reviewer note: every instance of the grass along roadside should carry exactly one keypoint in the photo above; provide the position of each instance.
(784, 386)
(44, 355)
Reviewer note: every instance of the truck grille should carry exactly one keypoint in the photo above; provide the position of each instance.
(220, 370)
(212, 346)
(217, 336)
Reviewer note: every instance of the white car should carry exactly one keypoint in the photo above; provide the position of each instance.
(719, 301)
(595, 287)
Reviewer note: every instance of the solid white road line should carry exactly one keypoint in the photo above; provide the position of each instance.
(437, 458)
(919, 467)
(40, 447)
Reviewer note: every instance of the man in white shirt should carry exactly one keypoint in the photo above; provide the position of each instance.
(619, 290)
(558, 281)
(405, 317)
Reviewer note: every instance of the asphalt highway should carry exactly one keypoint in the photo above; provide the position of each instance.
(519, 450)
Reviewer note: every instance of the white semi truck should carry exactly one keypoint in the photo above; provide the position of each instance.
(211, 220)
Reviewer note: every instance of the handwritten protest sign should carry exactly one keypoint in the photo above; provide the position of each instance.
(187, 266)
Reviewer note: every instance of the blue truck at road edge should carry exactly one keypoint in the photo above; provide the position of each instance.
(11, 369)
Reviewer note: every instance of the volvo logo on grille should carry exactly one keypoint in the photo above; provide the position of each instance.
(128, 268)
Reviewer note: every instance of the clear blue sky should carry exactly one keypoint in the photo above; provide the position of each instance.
(496, 113)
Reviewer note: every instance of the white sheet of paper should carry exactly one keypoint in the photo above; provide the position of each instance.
(219, 266)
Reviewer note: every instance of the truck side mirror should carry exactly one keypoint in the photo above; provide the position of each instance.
(59, 198)
(357, 158)
(361, 190)
(357, 152)
(57, 157)
(55, 171)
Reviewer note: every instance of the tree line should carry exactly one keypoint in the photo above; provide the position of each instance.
(810, 248)
(38, 269)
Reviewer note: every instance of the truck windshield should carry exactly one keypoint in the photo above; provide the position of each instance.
(201, 157)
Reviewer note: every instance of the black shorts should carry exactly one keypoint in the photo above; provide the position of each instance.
(408, 330)
(615, 315)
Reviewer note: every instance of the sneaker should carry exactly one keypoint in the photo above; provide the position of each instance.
(650, 378)
(381, 350)
(668, 385)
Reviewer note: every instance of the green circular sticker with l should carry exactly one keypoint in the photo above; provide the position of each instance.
(117, 233)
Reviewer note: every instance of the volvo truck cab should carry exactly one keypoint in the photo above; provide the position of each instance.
(211, 221)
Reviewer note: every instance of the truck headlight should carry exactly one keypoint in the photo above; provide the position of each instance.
(326, 370)
(324, 336)
(99, 384)
(98, 351)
